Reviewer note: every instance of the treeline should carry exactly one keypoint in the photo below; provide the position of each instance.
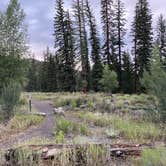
(82, 56)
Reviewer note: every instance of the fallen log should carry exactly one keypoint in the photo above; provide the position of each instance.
(36, 113)
(39, 114)
(50, 151)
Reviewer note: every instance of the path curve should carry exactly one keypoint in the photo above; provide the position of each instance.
(43, 130)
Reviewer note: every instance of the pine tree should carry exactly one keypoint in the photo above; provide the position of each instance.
(120, 32)
(142, 32)
(95, 48)
(82, 43)
(32, 75)
(161, 38)
(107, 15)
(64, 45)
(70, 58)
(134, 51)
(48, 73)
(127, 73)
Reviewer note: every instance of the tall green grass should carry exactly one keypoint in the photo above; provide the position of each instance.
(126, 127)
(153, 157)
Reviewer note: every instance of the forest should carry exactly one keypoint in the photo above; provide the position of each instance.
(96, 94)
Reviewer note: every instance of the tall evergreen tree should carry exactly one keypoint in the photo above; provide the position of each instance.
(127, 73)
(161, 38)
(64, 45)
(48, 73)
(95, 48)
(134, 50)
(32, 75)
(69, 63)
(107, 15)
(82, 43)
(142, 32)
(120, 32)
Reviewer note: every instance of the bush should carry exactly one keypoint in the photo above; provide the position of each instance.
(109, 80)
(64, 125)
(60, 137)
(83, 129)
(10, 97)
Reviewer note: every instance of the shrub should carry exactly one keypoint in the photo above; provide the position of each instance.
(109, 80)
(83, 129)
(63, 125)
(10, 97)
(60, 137)
(70, 127)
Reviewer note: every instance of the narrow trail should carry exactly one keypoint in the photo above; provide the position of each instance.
(44, 130)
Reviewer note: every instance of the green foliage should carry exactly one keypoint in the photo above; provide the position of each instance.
(155, 157)
(10, 97)
(60, 137)
(135, 131)
(64, 44)
(63, 125)
(13, 44)
(127, 74)
(155, 83)
(83, 129)
(82, 42)
(67, 127)
(161, 38)
(142, 37)
(109, 80)
(95, 45)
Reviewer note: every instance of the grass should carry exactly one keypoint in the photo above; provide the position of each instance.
(153, 157)
(96, 119)
(65, 126)
(69, 127)
(19, 123)
(81, 155)
(135, 131)
(120, 118)
(135, 105)
(22, 122)
(60, 137)
(126, 127)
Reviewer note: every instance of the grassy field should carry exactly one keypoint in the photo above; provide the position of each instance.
(101, 119)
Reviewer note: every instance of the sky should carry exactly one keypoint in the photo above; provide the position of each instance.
(40, 13)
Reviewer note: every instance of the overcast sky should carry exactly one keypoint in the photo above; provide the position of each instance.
(40, 13)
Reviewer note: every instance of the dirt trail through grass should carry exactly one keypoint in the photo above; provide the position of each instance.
(43, 130)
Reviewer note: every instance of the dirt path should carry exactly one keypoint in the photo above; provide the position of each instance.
(44, 130)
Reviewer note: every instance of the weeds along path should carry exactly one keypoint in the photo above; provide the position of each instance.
(44, 130)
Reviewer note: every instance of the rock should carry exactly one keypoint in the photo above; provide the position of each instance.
(83, 106)
(59, 111)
